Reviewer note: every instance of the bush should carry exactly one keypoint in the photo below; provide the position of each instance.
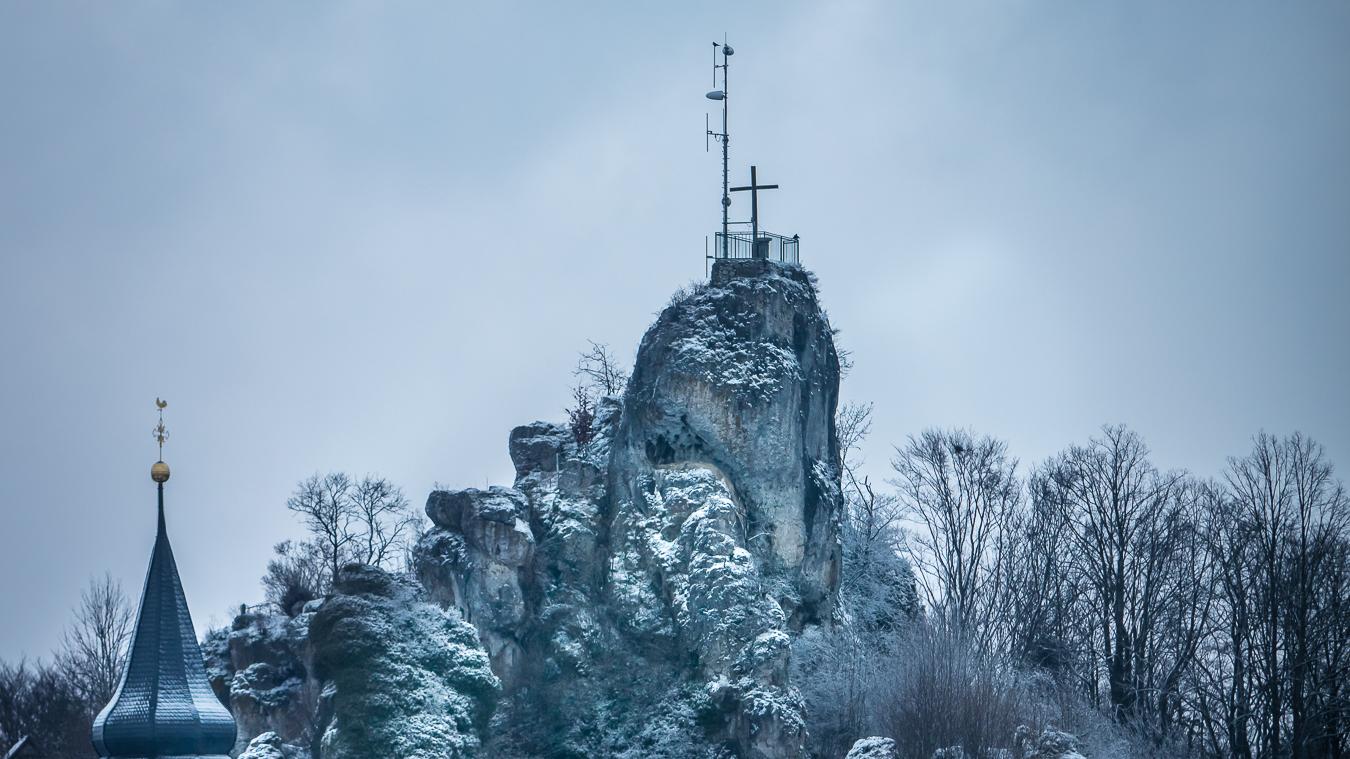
(295, 576)
(942, 693)
(924, 687)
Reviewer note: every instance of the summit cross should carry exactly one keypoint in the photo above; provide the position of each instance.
(754, 187)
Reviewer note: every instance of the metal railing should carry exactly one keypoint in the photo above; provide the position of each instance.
(769, 246)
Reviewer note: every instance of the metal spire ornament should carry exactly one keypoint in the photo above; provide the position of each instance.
(160, 471)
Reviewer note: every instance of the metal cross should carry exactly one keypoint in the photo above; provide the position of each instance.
(754, 187)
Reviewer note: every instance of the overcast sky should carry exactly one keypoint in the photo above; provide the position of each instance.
(372, 237)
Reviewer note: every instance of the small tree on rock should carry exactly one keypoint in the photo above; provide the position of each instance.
(295, 575)
(366, 521)
(598, 367)
(581, 417)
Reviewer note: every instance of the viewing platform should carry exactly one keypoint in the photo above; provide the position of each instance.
(766, 246)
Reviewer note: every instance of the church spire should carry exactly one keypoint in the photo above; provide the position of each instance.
(164, 706)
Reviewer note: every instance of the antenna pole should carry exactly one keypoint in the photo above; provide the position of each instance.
(724, 135)
(726, 141)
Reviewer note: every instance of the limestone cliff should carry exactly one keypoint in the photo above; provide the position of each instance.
(742, 378)
(688, 541)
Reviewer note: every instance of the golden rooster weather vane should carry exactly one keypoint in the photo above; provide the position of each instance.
(160, 471)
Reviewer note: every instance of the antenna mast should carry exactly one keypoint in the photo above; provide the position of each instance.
(723, 136)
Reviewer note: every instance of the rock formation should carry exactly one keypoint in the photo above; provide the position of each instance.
(262, 668)
(410, 680)
(473, 561)
(270, 746)
(689, 539)
(742, 378)
(873, 748)
(636, 596)
(1046, 744)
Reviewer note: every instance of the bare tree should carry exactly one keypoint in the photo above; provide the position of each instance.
(94, 648)
(960, 491)
(872, 515)
(324, 503)
(349, 520)
(597, 366)
(1041, 596)
(1125, 519)
(1297, 515)
(1319, 517)
(1200, 614)
(1182, 569)
(1224, 668)
(945, 692)
(1260, 483)
(852, 425)
(835, 670)
(383, 520)
(877, 583)
(837, 667)
(1328, 678)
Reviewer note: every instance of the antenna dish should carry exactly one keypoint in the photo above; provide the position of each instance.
(726, 50)
(717, 95)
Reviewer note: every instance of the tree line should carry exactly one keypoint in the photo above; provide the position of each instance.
(54, 702)
(1169, 614)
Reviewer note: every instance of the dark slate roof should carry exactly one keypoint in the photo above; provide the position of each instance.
(21, 749)
(164, 706)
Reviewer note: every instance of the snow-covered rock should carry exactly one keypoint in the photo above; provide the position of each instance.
(410, 679)
(724, 491)
(742, 376)
(261, 667)
(1047, 744)
(687, 547)
(473, 560)
(270, 746)
(639, 594)
(873, 748)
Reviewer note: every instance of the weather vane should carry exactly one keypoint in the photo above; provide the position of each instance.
(160, 471)
(161, 432)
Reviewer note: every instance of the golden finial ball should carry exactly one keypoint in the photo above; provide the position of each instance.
(159, 472)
